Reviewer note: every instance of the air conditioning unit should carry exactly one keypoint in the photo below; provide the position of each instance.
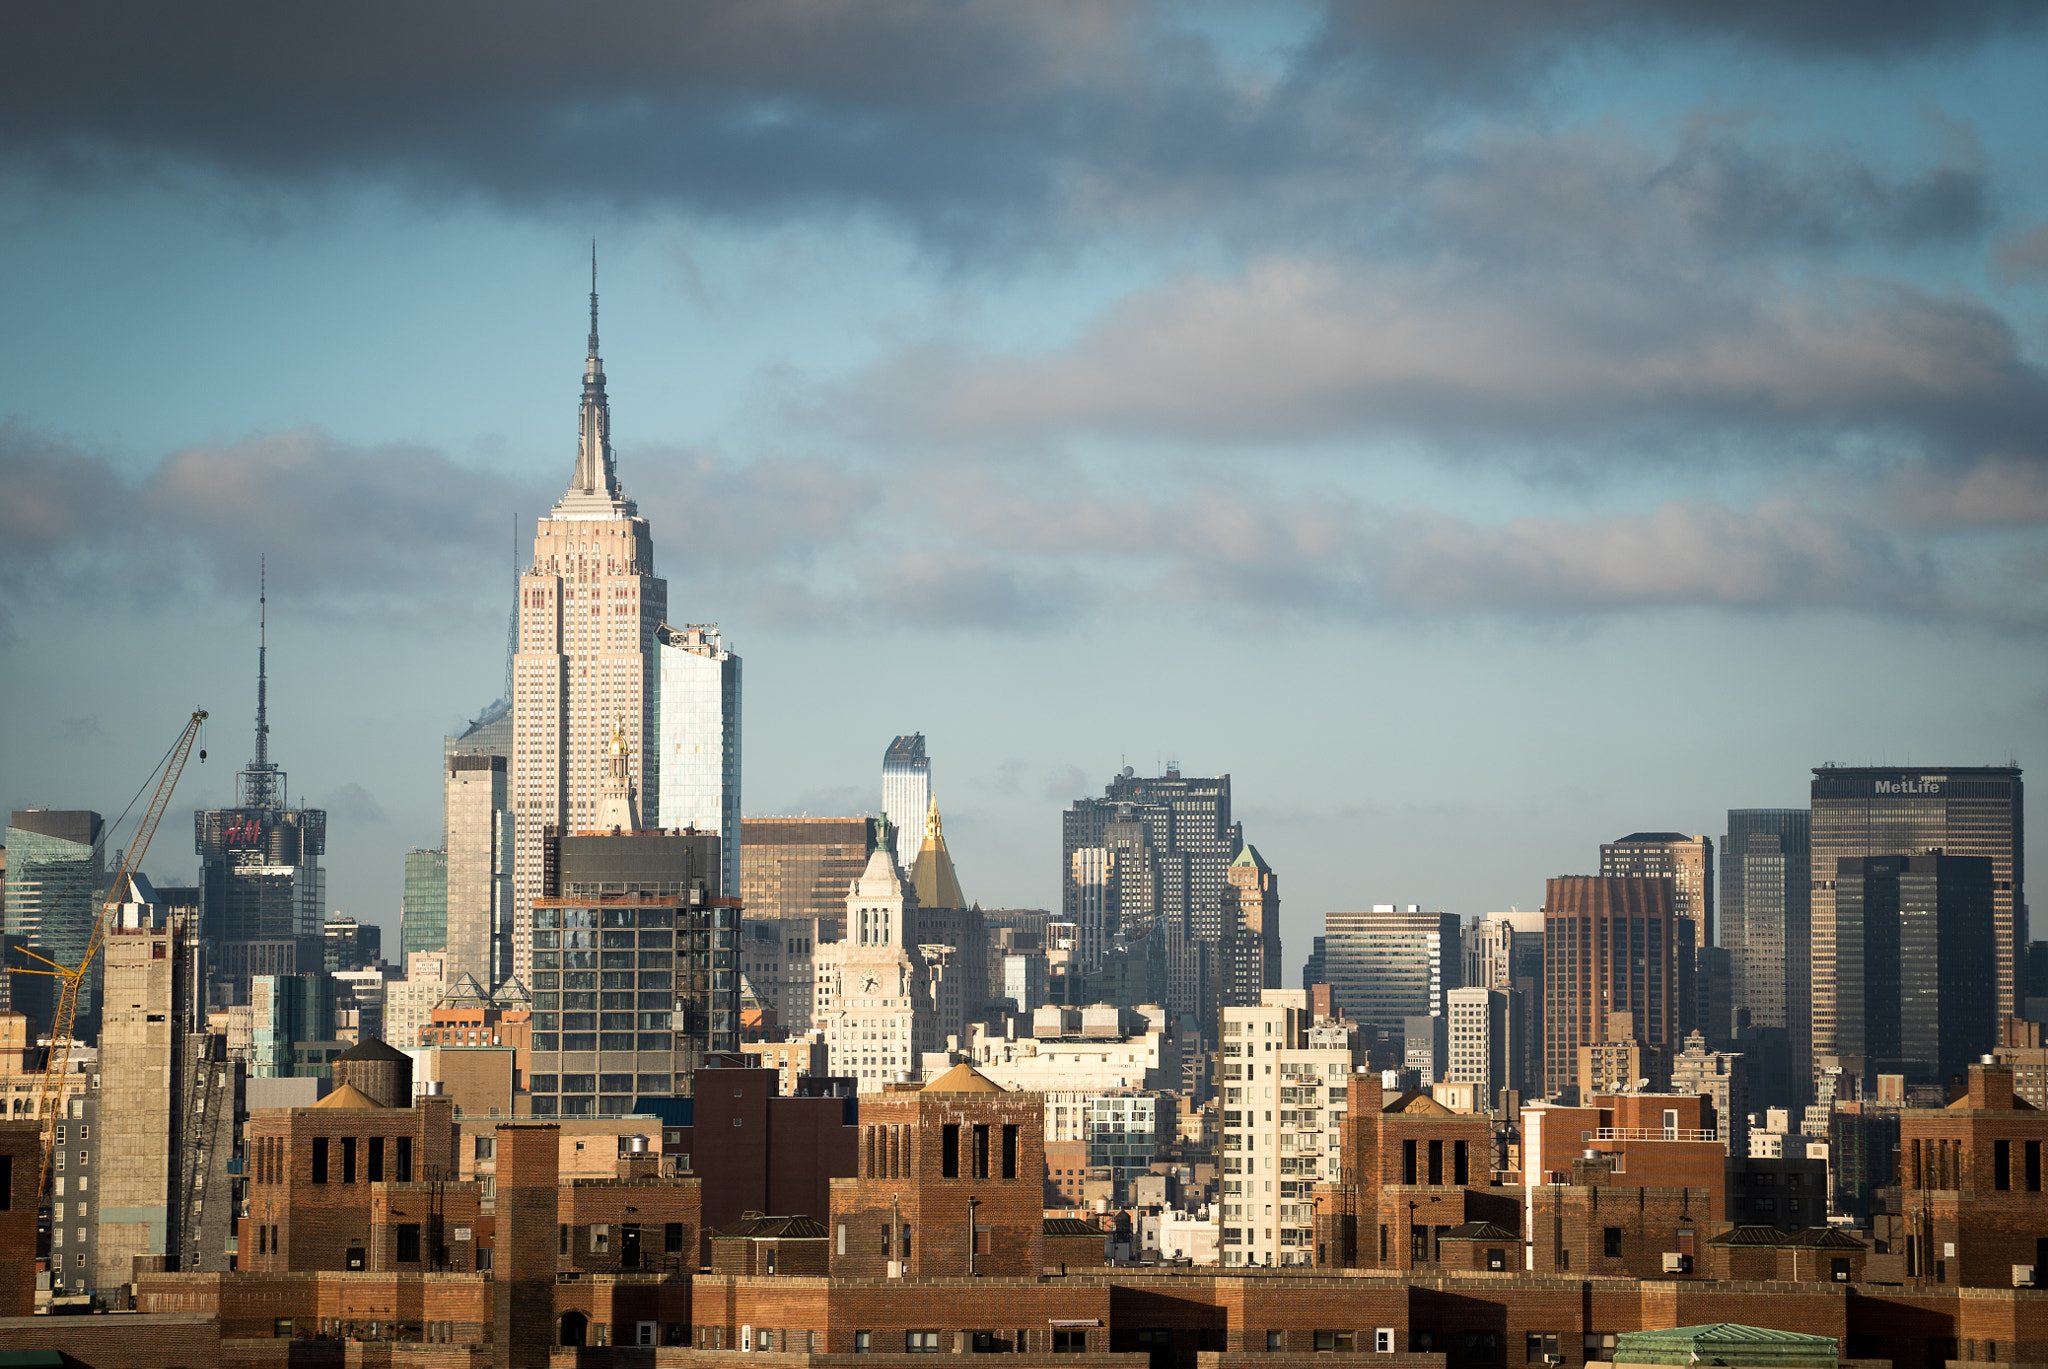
(1675, 1263)
(2023, 1276)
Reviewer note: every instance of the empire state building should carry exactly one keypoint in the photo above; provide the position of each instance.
(588, 609)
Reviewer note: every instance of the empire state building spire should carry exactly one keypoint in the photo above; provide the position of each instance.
(596, 474)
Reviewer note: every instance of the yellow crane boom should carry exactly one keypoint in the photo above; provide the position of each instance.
(71, 977)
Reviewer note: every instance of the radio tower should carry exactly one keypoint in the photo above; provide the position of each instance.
(261, 784)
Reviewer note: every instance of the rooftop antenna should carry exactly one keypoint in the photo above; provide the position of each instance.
(259, 782)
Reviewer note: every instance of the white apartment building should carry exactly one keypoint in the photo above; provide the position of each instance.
(1478, 1028)
(1286, 1080)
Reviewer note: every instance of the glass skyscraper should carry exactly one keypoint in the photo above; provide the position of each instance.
(906, 794)
(697, 721)
(56, 873)
(1910, 811)
(423, 919)
(1766, 882)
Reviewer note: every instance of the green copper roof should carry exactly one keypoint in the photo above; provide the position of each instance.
(1250, 856)
(1725, 1343)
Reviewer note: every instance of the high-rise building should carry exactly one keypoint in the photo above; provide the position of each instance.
(1766, 887)
(589, 605)
(636, 971)
(1388, 964)
(352, 945)
(1505, 951)
(161, 1182)
(1248, 961)
(1608, 946)
(697, 721)
(906, 793)
(1717, 1076)
(1688, 862)
(423, 910)
(263, 892)
(801, 867)
(1188, 838)
(56, 878)
(1286, 1078)
(1479, 1039)
(476, 806)
(1914, 966)
(874, 1000)
(1882, 811)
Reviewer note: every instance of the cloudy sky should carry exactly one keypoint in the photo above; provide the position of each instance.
(1481, 431)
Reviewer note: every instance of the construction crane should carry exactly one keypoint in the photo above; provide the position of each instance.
(71, 977)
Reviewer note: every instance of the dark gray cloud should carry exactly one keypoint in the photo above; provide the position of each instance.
(1007, 125)
(953, 115)
(1479, 49)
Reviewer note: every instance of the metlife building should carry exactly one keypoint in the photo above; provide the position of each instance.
(1887, 811)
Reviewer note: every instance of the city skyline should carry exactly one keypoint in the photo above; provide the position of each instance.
(1721, 334)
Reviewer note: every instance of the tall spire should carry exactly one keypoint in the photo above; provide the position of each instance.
(593, 298)
(595, 473)
(260, 781)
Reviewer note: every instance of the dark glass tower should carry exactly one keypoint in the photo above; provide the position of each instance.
(1766, 856)
(1913, 965)
(1888, 811)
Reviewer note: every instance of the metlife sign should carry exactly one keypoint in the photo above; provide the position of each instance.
(1919, 787)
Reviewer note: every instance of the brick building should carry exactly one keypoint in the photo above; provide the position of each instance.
(1409, 1172)
(1971, 1200)
(950, 1182)
(311, 1171)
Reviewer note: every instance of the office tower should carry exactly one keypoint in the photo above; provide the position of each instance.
(1719, 1077)
(1188, 840)
(589, 605)
(263, 893)
(906, 793)
(1688, 862)
(801, 867)
(874, 987)
(636, 971)
(1387, 964)
(477, 815)
(1315, 970)
(1479, 1036)
(1608, 949)
(423, 911)
(1248, 960)
(285, 1010)
(56, 876)
(1883, 811)
(1285, 1082)
(1914, 966)
(1505, 951)
(697, 722)
(1766, 887)
(351, 945)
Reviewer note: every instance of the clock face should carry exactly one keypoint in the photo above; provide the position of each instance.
(873, 983)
